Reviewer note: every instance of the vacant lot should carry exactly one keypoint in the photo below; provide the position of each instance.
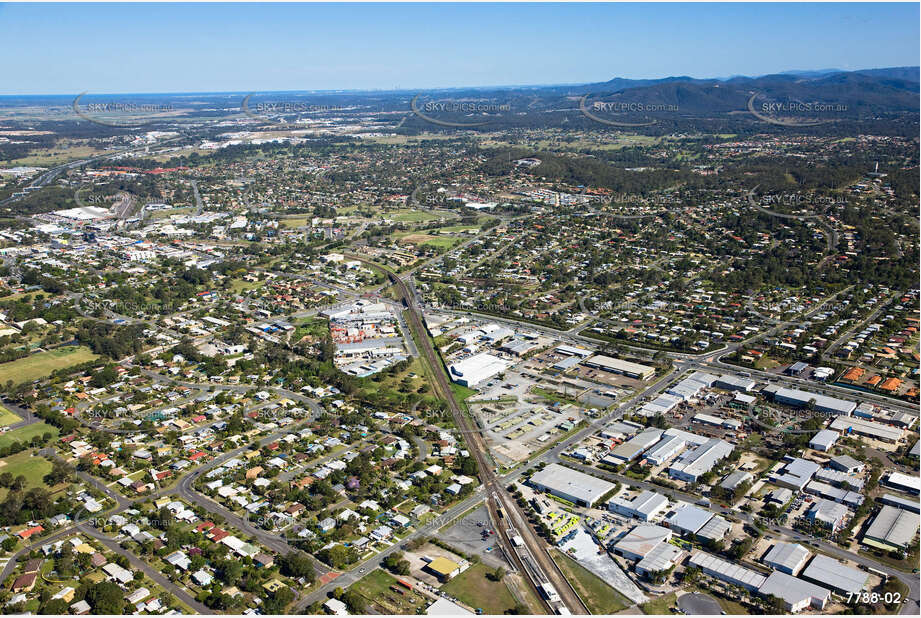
(476, 590)
(410, 216)
(385, 596)
(597, 595)
(42, 364)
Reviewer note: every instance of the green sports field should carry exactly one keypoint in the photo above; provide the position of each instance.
(7, 417)
(42, 364)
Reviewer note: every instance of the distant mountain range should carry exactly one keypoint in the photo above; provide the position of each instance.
(867, 91)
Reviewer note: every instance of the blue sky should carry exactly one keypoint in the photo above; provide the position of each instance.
(111, 48)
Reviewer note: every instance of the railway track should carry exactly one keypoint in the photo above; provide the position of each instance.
(531, 559)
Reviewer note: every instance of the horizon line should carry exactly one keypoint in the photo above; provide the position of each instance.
(400, 89)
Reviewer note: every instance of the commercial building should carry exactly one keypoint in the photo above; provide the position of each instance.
(797, 594)
(661, 558)
(823, 403)
(852, 499)
(567, 363)
(715, 529)
(619, 366)
(443, 568)
(824, 440)
(870, 429)
(795, 474)
(839, 577)
(477, 368)
(666, 449)
(618, 430)
(716, 421)
(571, 485)
(696, 462)
(787, 558)
(903, 482)
(827, 513)
(641, 541)
(900, 503)
(839, 479)
(688, 519)
(643, 506)
(726, 571)
(662, 404)
(845, 463)
(735, 479)
(568, 350)
(780, 496)
(734, 383)
(892, 529)
(631, 449)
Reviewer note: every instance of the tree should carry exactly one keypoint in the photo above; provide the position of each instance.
(54, 607)
(776, 605)
(297, 564)
(279, 600)
(105, 598)
(61, 471)
(355, 601)
(396, 563)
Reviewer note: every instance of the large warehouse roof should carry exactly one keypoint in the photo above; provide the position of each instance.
(893, 526)
(792, 589)
(903, 481)
(566, 482)
(637, 444)
(618, 365)
(867, 428)
(689, 518)
(477, 368)
(715, 529)
(727, 571)
(824, 439)
(788, 556)
(822, 402)
(646, 504)
(642, 540)
(832, 573)
(693, 463)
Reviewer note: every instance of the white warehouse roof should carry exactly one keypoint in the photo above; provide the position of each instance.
(838, 576)
(566, 483)
(479, 367)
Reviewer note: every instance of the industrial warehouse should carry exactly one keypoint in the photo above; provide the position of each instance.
(576, 487)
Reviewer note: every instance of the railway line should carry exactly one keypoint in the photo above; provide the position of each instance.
(530, 558)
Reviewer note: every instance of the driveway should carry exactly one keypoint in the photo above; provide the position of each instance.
(699, 604)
